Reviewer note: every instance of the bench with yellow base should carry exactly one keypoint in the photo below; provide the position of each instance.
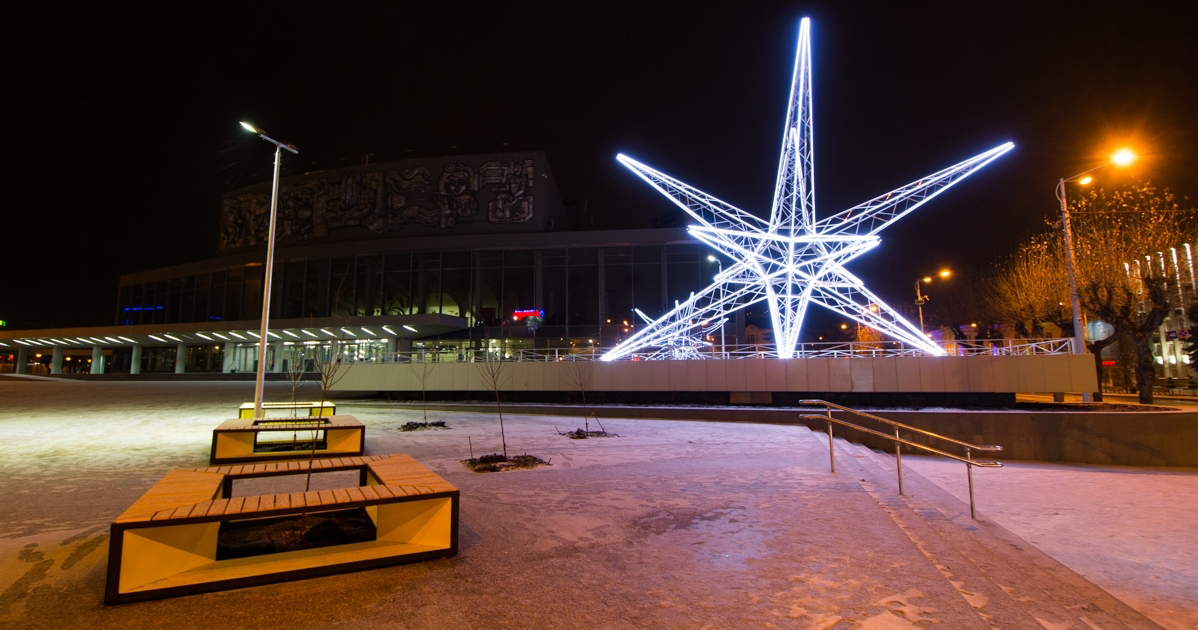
(165, 544)
(325, 408)
(263, 439)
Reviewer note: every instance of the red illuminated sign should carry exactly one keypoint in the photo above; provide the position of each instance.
(528, 312)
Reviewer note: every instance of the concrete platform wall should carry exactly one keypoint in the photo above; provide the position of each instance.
(976, 374)
(1167, 437)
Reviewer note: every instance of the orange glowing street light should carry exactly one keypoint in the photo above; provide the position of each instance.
(921, 299)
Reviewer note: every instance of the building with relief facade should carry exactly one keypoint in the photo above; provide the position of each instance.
(429, 255)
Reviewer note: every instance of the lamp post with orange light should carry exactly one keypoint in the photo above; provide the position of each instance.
(921, 299)
(1122, 157)
(270, 259)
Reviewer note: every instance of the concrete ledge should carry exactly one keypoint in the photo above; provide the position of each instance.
(1168, 437)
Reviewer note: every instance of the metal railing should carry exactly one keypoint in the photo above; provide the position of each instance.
(968, 459)
(831, 350)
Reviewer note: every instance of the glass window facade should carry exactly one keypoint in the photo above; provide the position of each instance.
(587, 293)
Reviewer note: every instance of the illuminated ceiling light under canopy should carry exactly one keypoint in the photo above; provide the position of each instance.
(794, 258)
(407, 327)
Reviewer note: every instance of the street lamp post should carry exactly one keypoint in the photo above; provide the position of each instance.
(723, 348)
(1121, 157)
(270, 259)
(921, 299)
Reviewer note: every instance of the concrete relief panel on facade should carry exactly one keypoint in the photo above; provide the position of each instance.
(384, 201)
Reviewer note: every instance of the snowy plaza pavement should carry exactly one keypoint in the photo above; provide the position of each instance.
(676, 524)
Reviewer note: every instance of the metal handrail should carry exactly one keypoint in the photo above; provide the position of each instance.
(968, 460)
(806, 350)
(967, 445)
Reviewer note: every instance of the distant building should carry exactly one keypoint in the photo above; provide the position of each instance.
(425, 255)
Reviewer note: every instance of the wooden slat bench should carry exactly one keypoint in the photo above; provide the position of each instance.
(325, 408)
(238, 439)
(165, 544)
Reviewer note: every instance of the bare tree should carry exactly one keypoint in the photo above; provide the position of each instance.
(494, 375)
(296, 375)
(1032, 288)
(422, 371)
(330, 369)
(1123, 277)
(579, 374)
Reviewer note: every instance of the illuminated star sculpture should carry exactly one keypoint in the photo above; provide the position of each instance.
(793, 259)
(683, 346)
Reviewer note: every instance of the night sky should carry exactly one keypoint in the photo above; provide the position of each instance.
(122, 126)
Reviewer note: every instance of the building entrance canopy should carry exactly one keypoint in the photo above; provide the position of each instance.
(203, 333)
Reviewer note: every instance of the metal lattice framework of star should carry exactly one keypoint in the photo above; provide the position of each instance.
(688, 345)
(793, 259)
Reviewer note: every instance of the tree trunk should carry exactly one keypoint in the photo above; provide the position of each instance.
(1098, 372)
(502, 435)
(1096, 347)
(1145, 370)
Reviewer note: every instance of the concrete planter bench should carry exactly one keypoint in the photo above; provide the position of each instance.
(325, 408)
(251, 440)
(165, 545)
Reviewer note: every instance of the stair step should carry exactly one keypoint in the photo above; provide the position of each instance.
(988, 559)
(991, 603)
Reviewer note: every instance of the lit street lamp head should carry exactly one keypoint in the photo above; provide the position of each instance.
(1123, 157)
(262, 134)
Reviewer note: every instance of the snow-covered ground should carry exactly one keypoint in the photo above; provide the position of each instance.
(674, 524)
(1132, 531)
